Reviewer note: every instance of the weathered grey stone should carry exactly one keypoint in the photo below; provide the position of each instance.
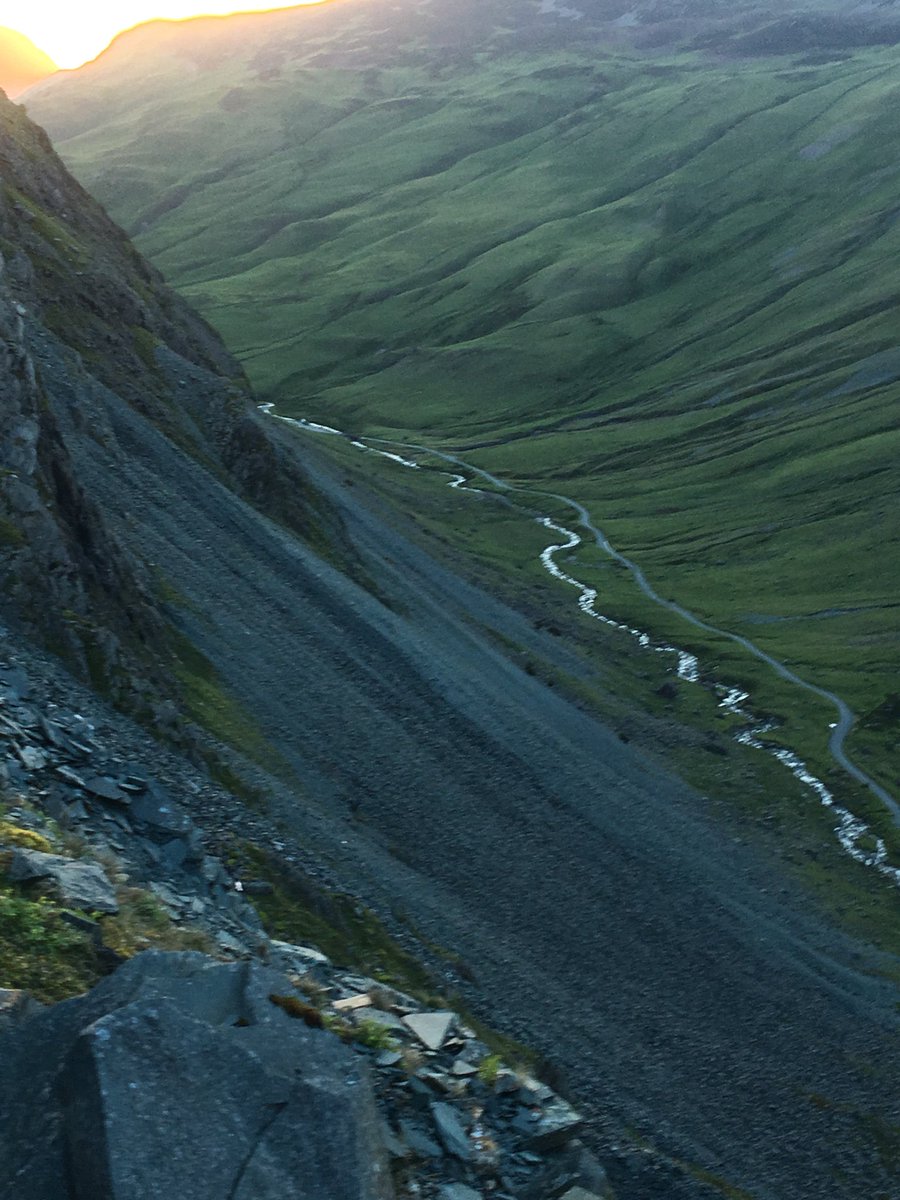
(357, 983)
(462, 1069)
(394, 1145)
(305, 954)
(157, 1103)
(506, 1082)
(107, 789)
(80, 884)
(474, 1051)
(579, 1193)
(31, 758)
(386, 1020)
(557, 1123)
(584, 1170)
(15, 1007)
(431, 1028)
(458, 1191)
(229, 942)
(418, 1141)
(174, 854)
(156, 808)
(439, 1081)
(163, 892)
(210, 869)
(179, 1076)
(452, 1132)
(534, 1092)
(70, 776)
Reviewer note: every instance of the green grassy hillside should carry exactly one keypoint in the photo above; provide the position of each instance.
(650, 263)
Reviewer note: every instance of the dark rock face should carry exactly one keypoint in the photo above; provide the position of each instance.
(92, 342)
(177, 1076)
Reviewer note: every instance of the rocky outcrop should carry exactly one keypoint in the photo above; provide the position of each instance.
(178, 1076)
(279, 1067)
(454, 1122)
(99, 361)
(80, 884)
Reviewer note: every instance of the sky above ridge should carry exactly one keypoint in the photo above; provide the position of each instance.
(73, 33)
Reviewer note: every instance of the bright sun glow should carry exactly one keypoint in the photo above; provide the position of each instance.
(72, 32)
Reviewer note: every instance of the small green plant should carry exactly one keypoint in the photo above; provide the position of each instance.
(374, 1035)
(489, 1069)
(40, 954)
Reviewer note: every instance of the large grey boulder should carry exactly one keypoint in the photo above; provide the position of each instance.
(177, 1076)
(80, 884)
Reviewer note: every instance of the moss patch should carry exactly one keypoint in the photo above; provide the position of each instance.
(38, 953)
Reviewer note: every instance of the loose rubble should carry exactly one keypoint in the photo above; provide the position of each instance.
(455, 1123)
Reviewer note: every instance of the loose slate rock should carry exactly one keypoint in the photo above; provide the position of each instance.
(462, 1069)
(15, 1007)
(431, 1028)
(419, 1142)
(452, 1132)
(156, 808)
(558, 1122)
(458, 1191)
(70, 776)
(80, 884)
(31, 758)
(107, 789)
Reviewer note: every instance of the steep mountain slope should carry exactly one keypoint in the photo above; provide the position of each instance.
(575, 243)
(722, 1033)
(22, 64)
(90, 332)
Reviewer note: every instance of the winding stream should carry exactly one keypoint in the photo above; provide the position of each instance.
(850, 831)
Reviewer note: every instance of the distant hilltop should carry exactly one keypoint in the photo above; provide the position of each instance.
(21, 63)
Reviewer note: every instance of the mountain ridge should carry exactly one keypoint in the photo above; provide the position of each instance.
(22, 63)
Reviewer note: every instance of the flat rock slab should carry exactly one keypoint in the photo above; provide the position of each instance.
(558, 1123)
(431, 1028)
(307, 953)
(418, 1141)
(458, 1191)
(156, 808)
(352, 1003)
(107, 789)
(80, 884)
(461, 1069)
(452, 1132)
